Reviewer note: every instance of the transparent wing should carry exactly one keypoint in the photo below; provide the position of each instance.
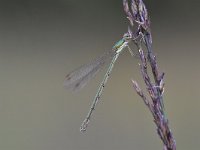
(78, 78)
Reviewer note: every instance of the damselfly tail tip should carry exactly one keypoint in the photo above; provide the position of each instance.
(84, 125)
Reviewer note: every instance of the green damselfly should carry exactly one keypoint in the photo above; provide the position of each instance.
(78, 78)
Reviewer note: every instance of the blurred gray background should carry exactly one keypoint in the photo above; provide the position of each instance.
(43, 40)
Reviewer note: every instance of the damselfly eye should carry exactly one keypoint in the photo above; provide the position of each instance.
(126, 36)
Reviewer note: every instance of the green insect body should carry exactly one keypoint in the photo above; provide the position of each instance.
(119, 44)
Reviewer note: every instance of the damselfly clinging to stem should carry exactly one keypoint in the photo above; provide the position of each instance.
(80, 77)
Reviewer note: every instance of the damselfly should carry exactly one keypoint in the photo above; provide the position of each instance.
(78, 78)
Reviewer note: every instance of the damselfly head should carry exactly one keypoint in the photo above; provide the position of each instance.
(127, 36)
